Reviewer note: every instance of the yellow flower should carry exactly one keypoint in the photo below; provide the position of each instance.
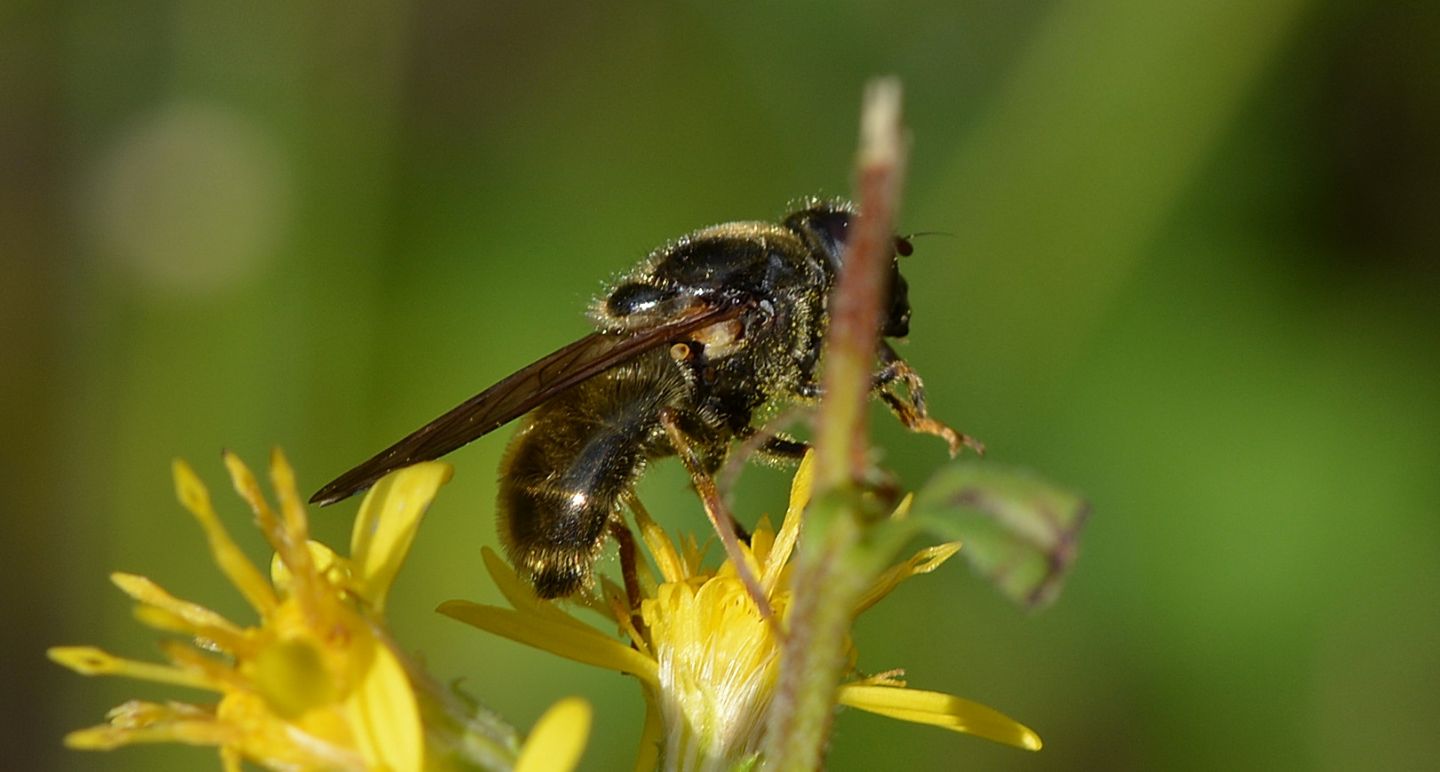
(705, 655)
(556, 742)
(316, 683)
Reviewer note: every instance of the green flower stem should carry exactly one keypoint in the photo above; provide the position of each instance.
(833, 568)
(830, 579)
(854, 336)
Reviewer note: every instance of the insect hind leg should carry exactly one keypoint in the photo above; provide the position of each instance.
(716, 510)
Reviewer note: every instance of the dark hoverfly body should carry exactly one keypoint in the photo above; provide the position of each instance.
(709, 331)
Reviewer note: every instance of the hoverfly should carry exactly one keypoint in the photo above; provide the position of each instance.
(705, 333)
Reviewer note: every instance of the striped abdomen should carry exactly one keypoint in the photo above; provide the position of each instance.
(572, 461)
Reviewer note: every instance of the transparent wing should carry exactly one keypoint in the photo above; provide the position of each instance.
(519, 394)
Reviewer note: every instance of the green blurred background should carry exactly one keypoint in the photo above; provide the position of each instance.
(1192, 273)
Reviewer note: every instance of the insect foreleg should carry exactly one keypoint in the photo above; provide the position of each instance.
(910, 409)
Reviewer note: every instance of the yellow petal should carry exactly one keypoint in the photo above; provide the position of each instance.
(386, 525)
(648, 758)
(88, 660)
(942, 710)
(296, 554)
(322, 739)
(219, 674)
(922, 562)
(902, 510)
(228, 556)
(282, 477)
(588, 646)
(522, 596)
(177, 615)
(334, 569)
(139, 713)
(287, 538)
(894, 677)
(667, 560)
(619, 612)
(386, 714)
(245, 484)
(762, 540)
(558, 739)
(692, 553)
(190, 732)
(790, 528)
(230, 759)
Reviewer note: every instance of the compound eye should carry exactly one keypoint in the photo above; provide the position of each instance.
(826, 227)
(834, 227)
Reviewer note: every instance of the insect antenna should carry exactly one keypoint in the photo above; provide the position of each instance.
(904, 247)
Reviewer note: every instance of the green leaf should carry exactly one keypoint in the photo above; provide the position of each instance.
(1018, 529)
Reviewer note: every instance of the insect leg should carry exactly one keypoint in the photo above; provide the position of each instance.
(766, 442)
(716, 510)
(786, 448)
(629, 562)
(910, 409)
